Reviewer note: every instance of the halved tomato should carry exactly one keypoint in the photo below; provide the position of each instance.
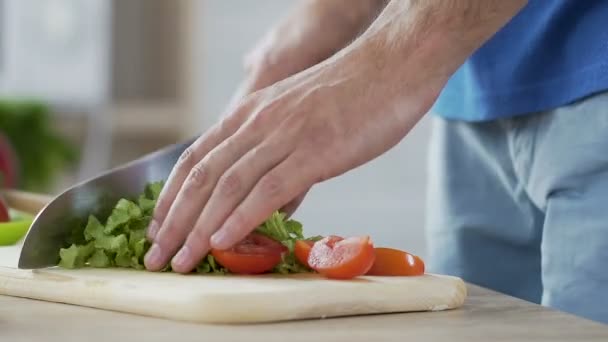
(339, 258)
(255, 254)
(394, 262)
(302, 251)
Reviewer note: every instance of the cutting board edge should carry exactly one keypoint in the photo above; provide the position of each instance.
(182, 310)
(454, 297)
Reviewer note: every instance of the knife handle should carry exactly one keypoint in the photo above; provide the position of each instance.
(28, 202)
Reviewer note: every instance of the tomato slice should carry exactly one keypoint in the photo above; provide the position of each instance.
(339, 258)
(255, 254)
(394, 262)
(302, 251)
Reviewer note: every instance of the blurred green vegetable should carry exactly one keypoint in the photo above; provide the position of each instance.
(13, 231)
(41, 153)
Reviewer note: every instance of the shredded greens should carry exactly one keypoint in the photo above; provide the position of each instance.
(121, 241)
(287, 232)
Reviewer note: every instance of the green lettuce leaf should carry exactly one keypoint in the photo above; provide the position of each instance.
(94, 229)
(75, 256)
(99, 259)
(290, 264)
(146, 204)
(153, 190)
(277, 228)
(209, 265)
(124, 212)
(287, 232)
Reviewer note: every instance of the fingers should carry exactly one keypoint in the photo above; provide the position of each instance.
(192, 196)
(230, 190)
(178, 174)
(189, 158)
(272, 191)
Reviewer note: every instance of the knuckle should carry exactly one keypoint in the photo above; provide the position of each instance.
(186, 159)
(259, 120)
(272, 185)
(230, 184)
(262, 151)
(198, 176)
(264, 114)
(226, 123)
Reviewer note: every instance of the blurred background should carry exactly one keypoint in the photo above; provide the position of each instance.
(86, 85)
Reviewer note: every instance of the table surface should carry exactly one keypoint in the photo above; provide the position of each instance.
(486, 316)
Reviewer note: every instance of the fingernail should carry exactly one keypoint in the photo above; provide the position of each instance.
(218, 240)
(153, 258)
(182, 257)
(152, 230)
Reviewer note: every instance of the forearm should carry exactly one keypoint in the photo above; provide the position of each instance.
(444, 32)
(416, 45)
(313, 31)
(436, 35)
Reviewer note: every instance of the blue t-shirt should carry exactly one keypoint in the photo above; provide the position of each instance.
(553, 52)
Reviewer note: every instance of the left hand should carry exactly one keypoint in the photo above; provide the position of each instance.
(312, 126)
(274, 146)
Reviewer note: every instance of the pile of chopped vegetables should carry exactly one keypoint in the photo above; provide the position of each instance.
(120, 241)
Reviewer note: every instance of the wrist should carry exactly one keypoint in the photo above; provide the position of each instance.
(311, 33)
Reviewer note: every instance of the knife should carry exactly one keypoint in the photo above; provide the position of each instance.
(96, 196)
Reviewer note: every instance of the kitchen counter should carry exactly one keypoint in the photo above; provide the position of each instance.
(486, 316)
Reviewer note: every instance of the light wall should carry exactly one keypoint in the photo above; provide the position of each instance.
(384, 198)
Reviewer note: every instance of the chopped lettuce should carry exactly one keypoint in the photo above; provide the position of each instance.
(124, 213)
(209, 265)
(75, 256)
(121, 240)
(279, 229)
(286, 231)
(100, 259)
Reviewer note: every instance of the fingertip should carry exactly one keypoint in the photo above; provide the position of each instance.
(224, 238)
(182, 261)
(153, 260)
(217, 240)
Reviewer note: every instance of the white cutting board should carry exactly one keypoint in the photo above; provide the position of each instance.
(229, 299)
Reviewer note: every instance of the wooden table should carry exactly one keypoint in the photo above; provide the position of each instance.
(486, 316)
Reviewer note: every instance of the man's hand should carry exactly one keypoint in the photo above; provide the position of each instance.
(312, 32)
(315, 125)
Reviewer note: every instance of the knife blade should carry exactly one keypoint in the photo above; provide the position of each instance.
(95, 196)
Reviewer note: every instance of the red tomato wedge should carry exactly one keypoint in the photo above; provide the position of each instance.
(302, 251)
(338, 258)
(255, 254)
(394, 262)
